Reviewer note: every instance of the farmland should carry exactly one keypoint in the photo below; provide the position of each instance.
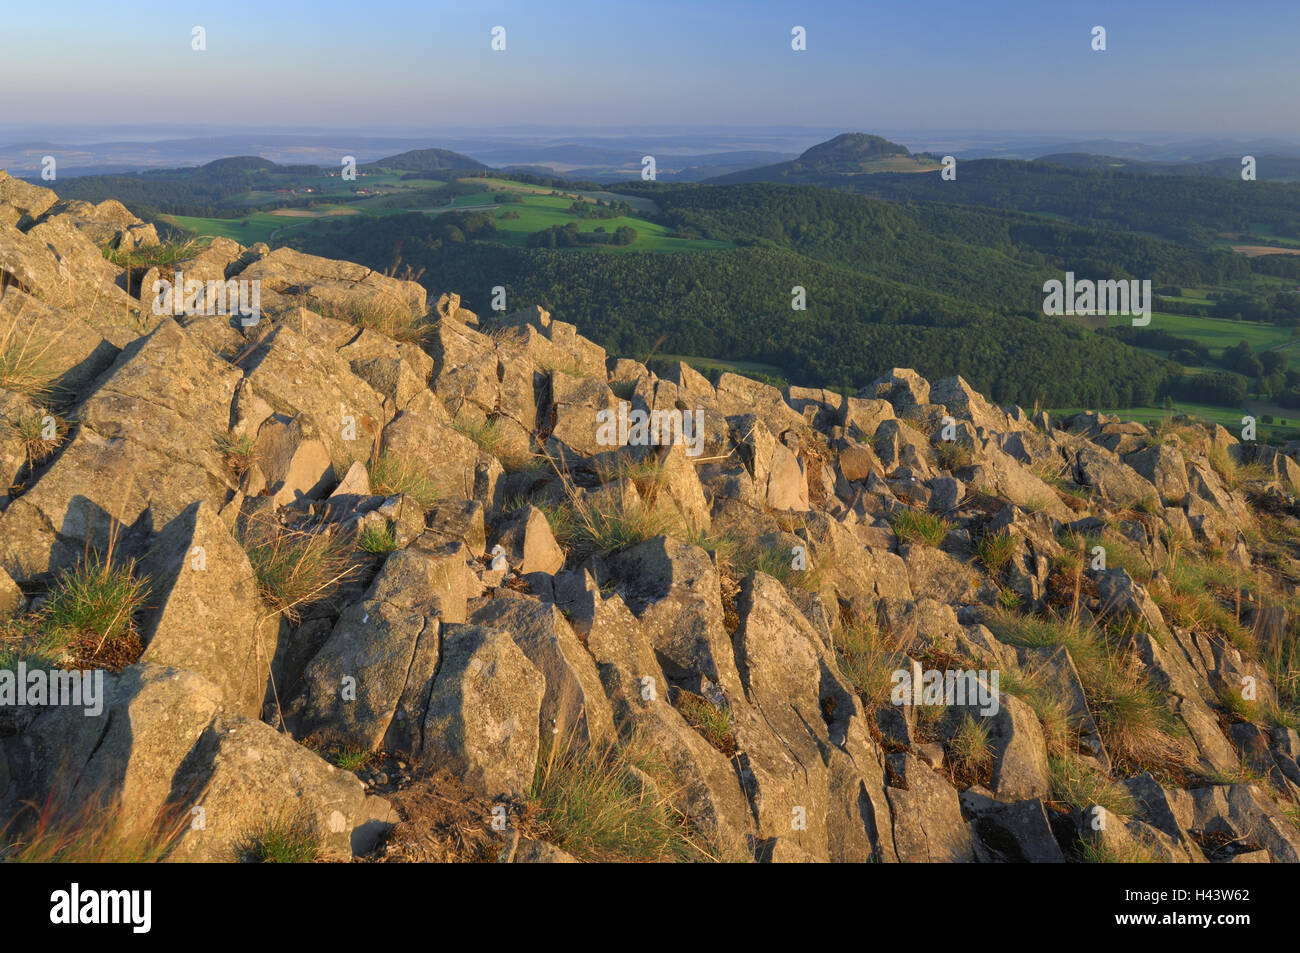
(1219, 333)
(537, 208)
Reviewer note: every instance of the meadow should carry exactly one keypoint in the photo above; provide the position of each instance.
(1219, 333)
(539, 208)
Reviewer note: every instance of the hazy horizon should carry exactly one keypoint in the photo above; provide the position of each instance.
(1191, 69)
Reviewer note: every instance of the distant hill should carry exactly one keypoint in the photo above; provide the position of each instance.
(428, 160)
(239, 164)
(853, 153)
(1268, 167)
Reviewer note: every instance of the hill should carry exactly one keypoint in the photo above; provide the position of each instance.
(429, 160)
(853, 153)
(1267, 167)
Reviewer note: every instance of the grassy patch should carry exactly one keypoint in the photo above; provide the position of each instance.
(610, 804)
(491, 438)
(919, 526)
(89, 830)
(294, 840)
(1080, 786)
(710, 721)
(994, 551)
(1030, 687)
(1137, 727)
(377, 540)
(614, 521)
(1223, 464)
(40, 433)
(160, 255)
(87, 621)
(952, 456)
(392, 474)
(391, 318)
(295, 569)
(237, 453)
(25, 366)
(868, 660)
(1106, 852)
(969, 749)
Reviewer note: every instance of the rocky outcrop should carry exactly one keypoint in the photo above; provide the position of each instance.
(366, 566)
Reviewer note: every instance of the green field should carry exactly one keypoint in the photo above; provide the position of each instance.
(711, 363)
(1219, 333)
(260, 226)
(1227, 417)
(539, 210)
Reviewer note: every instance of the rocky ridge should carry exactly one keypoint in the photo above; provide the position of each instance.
(494, 591)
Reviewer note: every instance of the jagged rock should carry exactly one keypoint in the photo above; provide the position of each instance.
(1177, 682)
(673, 589)
(965, 403)
(237, 773)
(1055, 667)
(1015, 740)
(12, 600)
(106, 224)
(528, 541)
(819, 407)
(150, 718)
(447, 458)
(928, 826)
(532, 851)
(22, 204)
(862, 418)
(778, 478)
(902, 387)
(369, 683)
(707, 788)
(573, 704)
(459, 521)
(1239, 811)
(1018, 833)
(204, 612)
(898, 444)
(293, 462)
(55, 262)
(291, 279)
(294, 375)
(1162, 466)
(999, 474)
(398, 371)
(679, 487)
(1121, 597)
(937, 574)
(575, 404)
(1155, 809)
(76, 347)
(483, 713)
(738, 395)
(134, 459)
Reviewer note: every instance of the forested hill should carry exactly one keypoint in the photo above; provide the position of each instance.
(429, 160)
(944, 290)
(990, 257)
(1186, 209)
(852, 153)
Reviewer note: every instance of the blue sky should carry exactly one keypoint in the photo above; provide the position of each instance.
(993, 65)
